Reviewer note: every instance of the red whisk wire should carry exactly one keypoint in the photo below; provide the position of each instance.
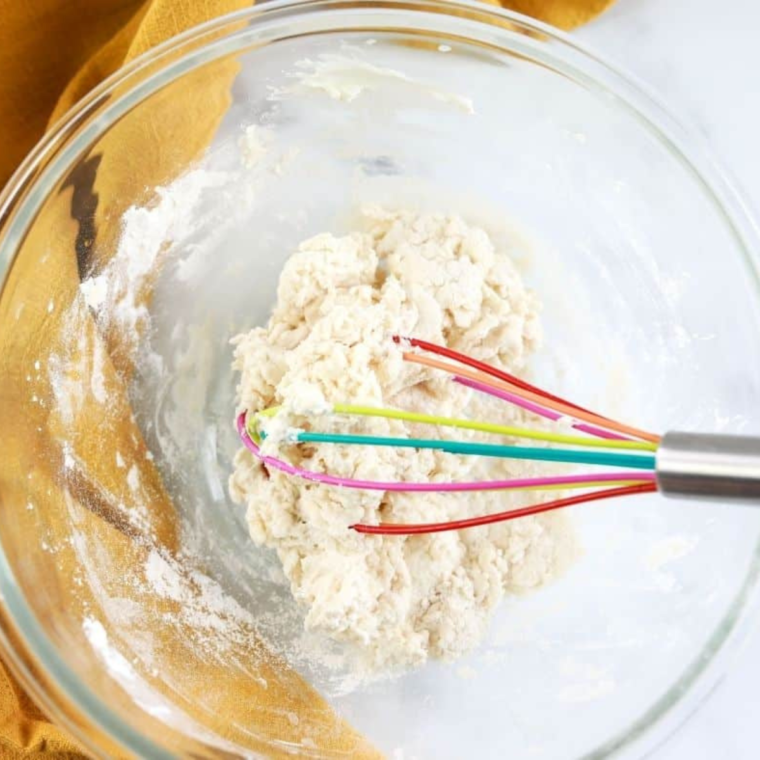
(393, 529)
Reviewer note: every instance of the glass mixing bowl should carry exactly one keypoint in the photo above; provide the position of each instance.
(134, 607)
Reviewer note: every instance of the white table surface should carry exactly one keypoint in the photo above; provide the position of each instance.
(704, 59)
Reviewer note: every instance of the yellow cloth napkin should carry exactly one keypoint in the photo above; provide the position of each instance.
(51, 54)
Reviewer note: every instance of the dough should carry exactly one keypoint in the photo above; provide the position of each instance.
(399, 600)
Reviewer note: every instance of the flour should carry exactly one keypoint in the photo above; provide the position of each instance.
(95, 291)
(115, 294)
(217, 619)
(397, 600)
(81, 377)
(254, 144)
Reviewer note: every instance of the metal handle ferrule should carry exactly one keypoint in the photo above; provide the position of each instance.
(709, 466)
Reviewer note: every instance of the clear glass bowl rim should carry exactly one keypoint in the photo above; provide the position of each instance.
(31, 183)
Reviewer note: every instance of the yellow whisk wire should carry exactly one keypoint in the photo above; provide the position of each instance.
(484, 427)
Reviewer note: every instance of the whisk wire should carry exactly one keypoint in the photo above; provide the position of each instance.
(484, 427)
(393, 529)
(467, 448)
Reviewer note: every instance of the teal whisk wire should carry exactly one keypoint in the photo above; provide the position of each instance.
(605, 458)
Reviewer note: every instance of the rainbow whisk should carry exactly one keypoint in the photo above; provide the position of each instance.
(676, 464)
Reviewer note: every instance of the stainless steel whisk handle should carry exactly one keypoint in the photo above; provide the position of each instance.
(709, 466)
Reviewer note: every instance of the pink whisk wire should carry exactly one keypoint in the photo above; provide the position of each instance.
(541, 411)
